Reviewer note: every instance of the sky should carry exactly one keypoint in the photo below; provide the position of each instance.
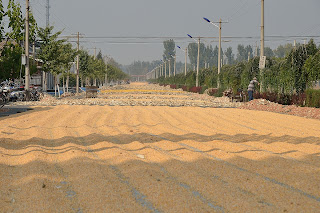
(175, 19)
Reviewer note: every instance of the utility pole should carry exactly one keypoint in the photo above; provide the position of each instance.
(186, 58)
(27, 68)
(219, 54)
(95, 53)
(48, 14)
(262, 42)
(174, 69)
(198, 63)
(161, 70)
(78, 48)
(165, 69)
(169, 68)
(262, 28)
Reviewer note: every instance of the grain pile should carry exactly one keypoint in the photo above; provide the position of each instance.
(137, 95)
(264, 105)
(81, 158)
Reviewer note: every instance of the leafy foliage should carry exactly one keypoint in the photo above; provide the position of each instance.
(284, 76)
(16, 21)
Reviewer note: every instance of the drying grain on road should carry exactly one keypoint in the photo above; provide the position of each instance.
(146, 148)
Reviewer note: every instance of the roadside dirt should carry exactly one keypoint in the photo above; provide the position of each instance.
(79, 158)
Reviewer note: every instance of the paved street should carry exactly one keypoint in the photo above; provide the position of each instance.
(81, 158)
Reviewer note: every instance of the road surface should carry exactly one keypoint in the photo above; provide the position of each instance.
(158, 159)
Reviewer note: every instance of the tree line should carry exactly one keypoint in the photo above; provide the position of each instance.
(289, 70)
(56, 54)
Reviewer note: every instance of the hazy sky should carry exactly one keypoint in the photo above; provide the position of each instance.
(176, 18)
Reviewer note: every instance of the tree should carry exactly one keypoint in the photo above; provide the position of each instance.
(296, 60)
(67, 56)
(83, 65)
(283, 50)
(229, 55)
(16, 22)
(99, 56)
(244, 53)
(169, 51)
(52, 52)
(193, 54)
(268, 52)
(311, 69)
(2, 15)
(208, 55)
(10, 62)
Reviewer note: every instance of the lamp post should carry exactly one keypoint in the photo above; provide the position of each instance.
(186, 58)
(198, 61)
(219, 54)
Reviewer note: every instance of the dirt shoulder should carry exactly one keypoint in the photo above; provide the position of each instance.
(264, 105)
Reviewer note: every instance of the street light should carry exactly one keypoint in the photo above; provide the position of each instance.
(185, 65)
(198, 61)
(219, 54)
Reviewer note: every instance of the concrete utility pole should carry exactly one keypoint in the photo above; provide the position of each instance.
(165, 69)
(161, 70)
(169, 68)
(219, 54)
(48, 14)
(27, 68)
(78, 48)
(262, 42)
(174, 69)
(186, 58)
(262, 28)
(198, 63)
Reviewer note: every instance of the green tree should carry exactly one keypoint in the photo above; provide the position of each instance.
(2, 15)
(283, 50)
(311, 69)
(268, 52)
(52, 52)
(230, 56)
(16, 22)
(244, 53)
(193, 54)
(83, 65)
(10, 61)
(99, 56)
(297, 59)
(169, 51)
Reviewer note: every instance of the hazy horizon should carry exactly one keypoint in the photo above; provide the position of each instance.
(149, 18)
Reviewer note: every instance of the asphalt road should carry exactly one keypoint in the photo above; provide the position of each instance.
(158, 159)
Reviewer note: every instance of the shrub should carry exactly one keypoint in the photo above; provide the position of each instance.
(172, 86)
(313, 98)
(195, 89)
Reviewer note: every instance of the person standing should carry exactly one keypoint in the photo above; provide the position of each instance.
(251, 88)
